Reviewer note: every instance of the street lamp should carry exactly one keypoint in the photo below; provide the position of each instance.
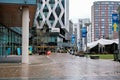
(118, 56)
(115, 26)
(86, 25)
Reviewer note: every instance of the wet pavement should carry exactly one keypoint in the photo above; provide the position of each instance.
(10, 59)
(61, 67)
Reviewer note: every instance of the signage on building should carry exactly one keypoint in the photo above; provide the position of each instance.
(55, 30)
(115, 22)
(73, 39)
(84, 32)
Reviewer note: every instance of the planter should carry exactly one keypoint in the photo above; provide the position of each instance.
(94, 57)
(80, 55)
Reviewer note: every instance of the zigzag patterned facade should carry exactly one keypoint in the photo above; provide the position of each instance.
(54, 13)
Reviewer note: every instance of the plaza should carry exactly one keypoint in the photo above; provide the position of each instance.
(61, 66)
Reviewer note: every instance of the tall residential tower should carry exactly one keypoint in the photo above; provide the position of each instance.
(101, 18)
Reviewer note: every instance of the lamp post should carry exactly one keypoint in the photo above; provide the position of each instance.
(115, 26)
(73, 41)
(118, 56)
(86, 25)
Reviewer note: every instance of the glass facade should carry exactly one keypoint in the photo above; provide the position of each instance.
(46, 11)
(10, 40)
(52, 3)
(52, 12)
(51, 19)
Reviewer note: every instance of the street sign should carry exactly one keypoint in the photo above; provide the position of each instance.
(84, 32)
(115, 22)
(55, 30)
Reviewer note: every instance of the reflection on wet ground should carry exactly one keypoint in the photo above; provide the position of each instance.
(61, 67)
(69, 78)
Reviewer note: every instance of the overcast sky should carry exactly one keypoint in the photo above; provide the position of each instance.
(81, 9)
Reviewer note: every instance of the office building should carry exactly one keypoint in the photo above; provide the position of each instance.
(55, 15)
(10, 40)
(101, 18)
(82, 40)
(16, 13)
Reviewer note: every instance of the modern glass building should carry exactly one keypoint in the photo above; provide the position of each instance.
(102, 19)
(53, 12)
(10, 40)
(82, 40)
(55, 15)
(20, 13)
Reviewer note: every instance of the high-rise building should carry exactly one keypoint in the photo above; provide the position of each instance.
(82, 40)
(75, 31)
(70, 29)
(53, 12)
(101, 18)
(55, 15)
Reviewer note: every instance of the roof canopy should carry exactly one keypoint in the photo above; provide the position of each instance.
(18, 2)
(11, 12)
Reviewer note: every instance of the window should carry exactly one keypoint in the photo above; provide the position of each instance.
(96, 24)
(103, 7)
(52, 3)
(96, 7)
(103, 32)
(52, 18)
(45, 10)
(103, 13)
(58, 10)
(102, 19)
(40, 1)
(63, 19)
(102, 26)
(39, 19)
(58, 25)
(63, 3)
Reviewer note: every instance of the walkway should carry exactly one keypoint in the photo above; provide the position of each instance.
(61, 67)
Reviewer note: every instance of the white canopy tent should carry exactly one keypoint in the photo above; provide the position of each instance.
(102, 42)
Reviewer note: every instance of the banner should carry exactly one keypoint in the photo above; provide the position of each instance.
(115, 22)
(84, 32)
(73, 39)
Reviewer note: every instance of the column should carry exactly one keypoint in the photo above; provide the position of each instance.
(25, 35)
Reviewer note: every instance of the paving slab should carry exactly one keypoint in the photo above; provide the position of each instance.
(61, 66)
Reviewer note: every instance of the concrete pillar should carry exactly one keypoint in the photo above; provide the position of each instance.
(25, 35)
